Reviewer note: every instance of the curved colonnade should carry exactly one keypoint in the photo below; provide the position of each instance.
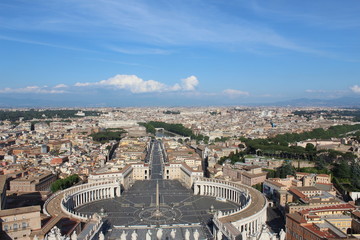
(222, 189)
(77, 196)
(244, 221)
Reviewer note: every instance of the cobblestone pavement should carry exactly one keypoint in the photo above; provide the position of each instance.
(136, 205)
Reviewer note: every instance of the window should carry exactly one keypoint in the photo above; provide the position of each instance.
(15, 226)
(6, 228)
(24, 225)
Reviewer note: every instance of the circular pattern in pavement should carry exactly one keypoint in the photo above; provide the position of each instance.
(149, 215)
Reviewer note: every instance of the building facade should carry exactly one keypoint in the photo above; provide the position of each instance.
(34, 182)
(18, 223)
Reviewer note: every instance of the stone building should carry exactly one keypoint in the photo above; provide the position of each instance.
(328, 222)
(253, 175)
(18, 223)
(3, 187)
(40, 181)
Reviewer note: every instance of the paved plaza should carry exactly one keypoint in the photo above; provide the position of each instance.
(135, 212)
(177, 203)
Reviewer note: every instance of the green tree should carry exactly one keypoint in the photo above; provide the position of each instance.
(286, 169)
(310, 147)
(62, 184)
(259, 187)
(342, 170)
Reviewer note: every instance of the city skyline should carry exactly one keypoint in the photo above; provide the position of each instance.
(178, 53)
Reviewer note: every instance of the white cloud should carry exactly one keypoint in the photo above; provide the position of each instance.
(137, 85)
(315, 91)
(31, 89)
(355, 89)
(235, 93)
(61, 86)
(140, 51)
(190, 83)
(78, 84)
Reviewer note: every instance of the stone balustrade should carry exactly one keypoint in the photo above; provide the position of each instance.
(91, 228)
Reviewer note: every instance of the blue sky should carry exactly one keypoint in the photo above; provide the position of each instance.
(186, 52)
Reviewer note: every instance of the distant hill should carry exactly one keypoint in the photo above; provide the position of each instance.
(306, 102)
(20, 102)
(59, 101)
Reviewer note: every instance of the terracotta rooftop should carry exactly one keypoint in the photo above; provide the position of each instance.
(323, 175)
(299, 194)
(340, 207)
(296, 217)
(312, 228)
(356, 213)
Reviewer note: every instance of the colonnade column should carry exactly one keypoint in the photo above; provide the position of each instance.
(201, 189)
(118, 191)
(196, 189)
(112, 192)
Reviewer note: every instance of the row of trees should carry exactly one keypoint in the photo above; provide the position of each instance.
(62, 184)
(282, 171)
(233, 157)
(149, 128)
(108, 135)
(37, 114)
(265, 147)
(279, 145)
(347, 174)
(171, 112)
(174, 128)
(318, 133)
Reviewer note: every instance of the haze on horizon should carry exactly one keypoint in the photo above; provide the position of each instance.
(177, 53)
